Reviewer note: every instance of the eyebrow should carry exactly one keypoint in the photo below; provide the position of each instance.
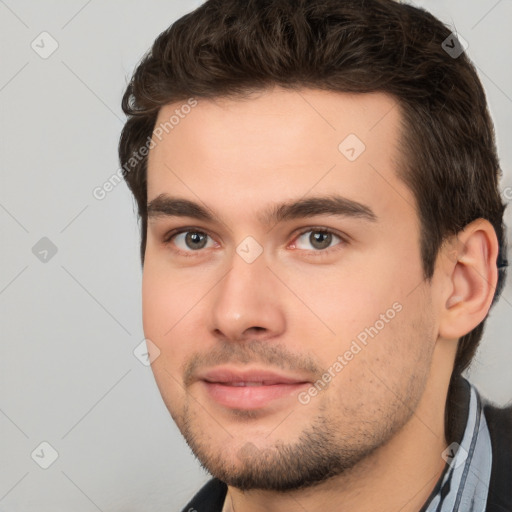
(165, 205)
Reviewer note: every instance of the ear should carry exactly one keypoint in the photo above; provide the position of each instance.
(470, 277)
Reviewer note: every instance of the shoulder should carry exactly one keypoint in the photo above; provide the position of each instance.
(210, 498)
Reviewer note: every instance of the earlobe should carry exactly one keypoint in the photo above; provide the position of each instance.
(473, 275)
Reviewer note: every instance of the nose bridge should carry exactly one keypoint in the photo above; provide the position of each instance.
(246, 297)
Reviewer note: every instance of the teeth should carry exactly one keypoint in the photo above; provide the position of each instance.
(243, 384)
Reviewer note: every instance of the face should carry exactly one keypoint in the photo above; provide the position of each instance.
(283, 284)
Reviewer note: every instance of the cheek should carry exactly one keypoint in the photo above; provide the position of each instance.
(173, 305)
(162, 309)
(166, 296)
(396, 352)
(338, 306)
(155, 304)
(164, 304)
(383, 379)
(374, 322)
(376, 308)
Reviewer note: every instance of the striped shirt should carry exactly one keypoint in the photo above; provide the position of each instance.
(464, 485)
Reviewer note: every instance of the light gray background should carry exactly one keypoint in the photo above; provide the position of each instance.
(68, 375)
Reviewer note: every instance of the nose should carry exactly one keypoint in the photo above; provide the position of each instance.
(247, 302)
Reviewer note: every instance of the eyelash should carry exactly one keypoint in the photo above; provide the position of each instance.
(316, 253)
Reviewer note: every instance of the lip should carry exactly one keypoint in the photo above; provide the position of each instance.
(249, 389)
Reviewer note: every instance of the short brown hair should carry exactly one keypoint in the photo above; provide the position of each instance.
(232, 47)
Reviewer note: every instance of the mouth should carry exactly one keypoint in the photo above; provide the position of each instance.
(250, 389)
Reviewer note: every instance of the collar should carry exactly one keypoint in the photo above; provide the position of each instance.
(464, 484)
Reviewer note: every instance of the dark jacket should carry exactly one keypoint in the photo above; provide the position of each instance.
(499, 422)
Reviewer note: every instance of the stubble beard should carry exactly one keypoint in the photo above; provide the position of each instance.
(321, 452)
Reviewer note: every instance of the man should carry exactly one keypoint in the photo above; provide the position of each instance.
(322, 240)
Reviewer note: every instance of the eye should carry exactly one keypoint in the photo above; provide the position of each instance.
(190, 241)
(319, 239)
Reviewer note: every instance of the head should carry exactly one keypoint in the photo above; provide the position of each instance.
(348, 118)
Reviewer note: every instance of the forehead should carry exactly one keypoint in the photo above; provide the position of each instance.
(277, 145)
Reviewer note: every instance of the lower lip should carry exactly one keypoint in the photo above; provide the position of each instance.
(251, 397)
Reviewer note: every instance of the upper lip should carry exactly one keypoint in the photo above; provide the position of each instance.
(232, 376)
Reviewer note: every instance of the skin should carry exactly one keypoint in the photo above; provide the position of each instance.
(296, 308)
